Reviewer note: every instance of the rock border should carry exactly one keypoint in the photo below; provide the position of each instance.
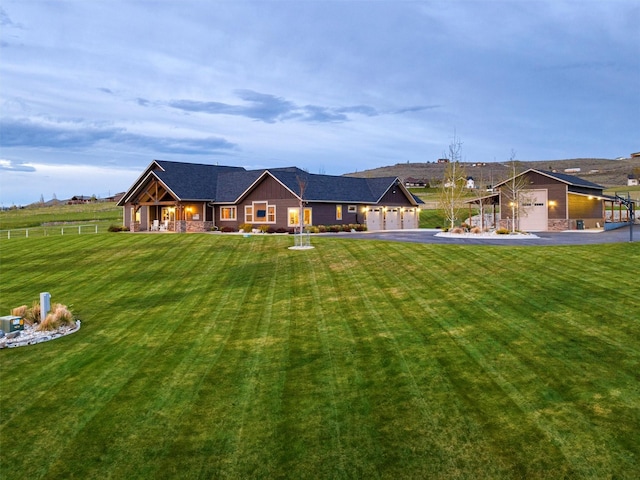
(31, 336)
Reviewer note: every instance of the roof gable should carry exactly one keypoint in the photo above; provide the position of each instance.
(222, 184)
(560, 177)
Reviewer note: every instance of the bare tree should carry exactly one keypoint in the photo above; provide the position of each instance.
(302, 186)
(454, 181)
(515, 192)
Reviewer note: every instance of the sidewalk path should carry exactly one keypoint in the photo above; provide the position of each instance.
(577, 237)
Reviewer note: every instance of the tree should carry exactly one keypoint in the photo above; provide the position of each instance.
(302, 186)
(515, 192)
(453, 188)
(478, 195)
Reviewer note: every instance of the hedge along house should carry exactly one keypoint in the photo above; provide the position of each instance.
(550, 201)
(187, 197)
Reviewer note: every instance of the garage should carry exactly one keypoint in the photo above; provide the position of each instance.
(533, 211)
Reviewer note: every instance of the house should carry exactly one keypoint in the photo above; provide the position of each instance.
(632, 181)
(79, 199)
(471, 184)
(548, 201)
(189, 197)
(414, 182)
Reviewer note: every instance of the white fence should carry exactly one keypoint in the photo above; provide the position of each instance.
(48, 231)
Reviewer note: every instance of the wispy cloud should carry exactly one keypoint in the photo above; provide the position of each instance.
(271, 108)
(76, 135)
(11, 166)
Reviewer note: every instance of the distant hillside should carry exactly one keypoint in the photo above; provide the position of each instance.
(605, 172)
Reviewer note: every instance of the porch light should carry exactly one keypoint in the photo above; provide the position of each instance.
(552, 203)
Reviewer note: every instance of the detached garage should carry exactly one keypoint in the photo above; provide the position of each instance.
(548, 201)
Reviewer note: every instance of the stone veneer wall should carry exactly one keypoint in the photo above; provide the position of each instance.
(135, 227)
(558, 225)
(183, 226)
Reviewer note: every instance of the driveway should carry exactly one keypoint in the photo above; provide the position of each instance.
(574, 237)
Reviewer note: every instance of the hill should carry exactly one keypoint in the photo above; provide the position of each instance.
(605, 172)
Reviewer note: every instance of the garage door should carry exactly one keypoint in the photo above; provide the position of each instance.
(533, 213)
(374, 219)
(410, 218)
(393, 219)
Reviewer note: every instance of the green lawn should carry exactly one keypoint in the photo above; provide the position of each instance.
(102, 213)
(220, 356)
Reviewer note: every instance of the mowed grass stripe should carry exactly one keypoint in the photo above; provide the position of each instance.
(501, 355)
(355, 359)
(444, 434)
(167, 382)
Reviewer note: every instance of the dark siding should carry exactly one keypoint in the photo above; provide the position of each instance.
(397, 199)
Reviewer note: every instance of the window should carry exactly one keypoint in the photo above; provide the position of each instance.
(260, 212)
(352, 209)
(227, 213)
(338, 212)
(293, 216)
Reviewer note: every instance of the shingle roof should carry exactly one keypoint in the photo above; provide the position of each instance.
(192, 181)
(330, 188)
(570, 179)
(214, 183)
(562, 177)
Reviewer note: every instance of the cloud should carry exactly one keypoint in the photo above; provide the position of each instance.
(11, 166)
(76, 135)
(270, 109)
(6, 21)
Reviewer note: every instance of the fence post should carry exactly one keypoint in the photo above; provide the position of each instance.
(27, 232)
(79, 228)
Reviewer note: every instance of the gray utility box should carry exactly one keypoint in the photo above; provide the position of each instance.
(11, 323)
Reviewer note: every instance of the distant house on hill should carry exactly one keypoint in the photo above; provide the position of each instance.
(632, 181)
(79, 199)
(188, 197)
(471, 183)
(414, 182)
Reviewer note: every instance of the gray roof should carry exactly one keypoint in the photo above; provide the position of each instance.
(214, 183)
(562, 177)
(570, 179)
(192, 181)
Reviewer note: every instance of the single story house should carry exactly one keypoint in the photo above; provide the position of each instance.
(190, 197)
(547, 201)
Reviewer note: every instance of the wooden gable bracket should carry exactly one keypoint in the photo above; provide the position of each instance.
(153, 193)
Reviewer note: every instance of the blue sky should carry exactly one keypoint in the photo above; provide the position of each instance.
(92, 91)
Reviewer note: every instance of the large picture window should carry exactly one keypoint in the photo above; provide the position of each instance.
(293, 217)
(227, 213)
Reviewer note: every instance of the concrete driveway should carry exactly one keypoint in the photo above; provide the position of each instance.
(574, 237)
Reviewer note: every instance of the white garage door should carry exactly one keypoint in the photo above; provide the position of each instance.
(375, 217)
(533, 213)
(393, 219)
(410, 218)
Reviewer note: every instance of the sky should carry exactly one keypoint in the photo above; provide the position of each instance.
(91, 92)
